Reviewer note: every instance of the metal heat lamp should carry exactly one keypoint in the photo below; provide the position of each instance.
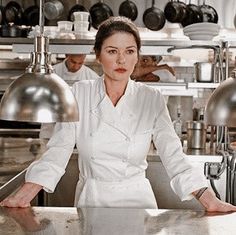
(39, 95)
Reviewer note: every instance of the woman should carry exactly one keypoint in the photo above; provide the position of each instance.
(118, 120)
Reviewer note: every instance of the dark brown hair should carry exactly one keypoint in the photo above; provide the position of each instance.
(113, 25)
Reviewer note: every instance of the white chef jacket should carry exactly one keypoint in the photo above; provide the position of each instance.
(113, 143)
(165, 75)
(84, 73)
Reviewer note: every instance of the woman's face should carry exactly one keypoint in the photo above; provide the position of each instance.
(118, 56)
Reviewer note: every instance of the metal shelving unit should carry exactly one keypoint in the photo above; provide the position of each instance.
(150, 47)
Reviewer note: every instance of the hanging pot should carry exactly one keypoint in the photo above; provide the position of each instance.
(13, 13)
(128, 9)
(175, 11)
(75, 8)
(10, 31)
(99, 12)
(1, 15)
(209, 13)
(193, 15)
(53, 9)
(31, 15)
(154, 18)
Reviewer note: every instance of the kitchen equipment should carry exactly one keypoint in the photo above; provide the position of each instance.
(53, 9)
(39, 95)
(10, 30)
(31, 15)
(204, 71)
(64, 26)
(202, 31)
(76, 8)
(175, 11)
(196, 135)
(81, 26)
(209, 13)
(81, 16)
(128, 9)
(154, 18)
(100, 12)
(193, 15)
(1, 15)
(13, 13)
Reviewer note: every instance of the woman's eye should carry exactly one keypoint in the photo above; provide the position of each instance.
(130, 51)
(112, 52)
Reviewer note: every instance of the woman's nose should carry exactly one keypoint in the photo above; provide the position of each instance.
(120, 59)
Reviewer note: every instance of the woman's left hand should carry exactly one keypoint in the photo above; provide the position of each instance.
(213, 204)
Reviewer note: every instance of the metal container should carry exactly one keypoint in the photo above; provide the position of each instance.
(204, 71)
(196, 135)
(53, 9)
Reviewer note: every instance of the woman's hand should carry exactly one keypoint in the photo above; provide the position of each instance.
(23, 197)
(213, 204)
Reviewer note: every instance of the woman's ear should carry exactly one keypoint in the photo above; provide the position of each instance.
(98, 59)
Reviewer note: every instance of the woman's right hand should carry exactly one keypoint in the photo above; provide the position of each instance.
(23, 197)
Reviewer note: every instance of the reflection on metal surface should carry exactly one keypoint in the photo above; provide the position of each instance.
(116, 221)
(221, 106)
(39, 95)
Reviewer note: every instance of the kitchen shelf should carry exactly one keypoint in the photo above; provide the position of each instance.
(181, 89)
(209, 85)
(150, 47)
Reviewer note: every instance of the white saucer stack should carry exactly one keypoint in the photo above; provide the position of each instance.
(202, 31)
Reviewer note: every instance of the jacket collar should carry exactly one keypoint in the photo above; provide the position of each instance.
(118, 117)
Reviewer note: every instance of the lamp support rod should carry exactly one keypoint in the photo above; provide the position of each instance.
(41, 16)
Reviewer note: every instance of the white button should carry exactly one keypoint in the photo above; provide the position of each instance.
(127, 139)
(124, 160)
(92, 158)
(91, 134)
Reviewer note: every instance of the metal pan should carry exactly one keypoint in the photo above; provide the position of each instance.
(75, 8)
(100, 12)
(128, 9)
(1, 15)
(13, 13)
(154, 18)
(175, 11)
(53, 9)
(10, 31)
(209, 13)
(193, 15)
(31, 15)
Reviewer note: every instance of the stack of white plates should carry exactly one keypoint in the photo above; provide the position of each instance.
(202, 31)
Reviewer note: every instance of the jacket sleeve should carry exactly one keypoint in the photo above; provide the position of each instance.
(184, 177)
(48, 170)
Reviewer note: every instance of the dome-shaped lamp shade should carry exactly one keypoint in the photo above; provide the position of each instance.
(221, 106)
(37, 97)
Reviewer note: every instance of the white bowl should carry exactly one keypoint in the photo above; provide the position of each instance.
(203, 26)
(190, 30)
(198, 36)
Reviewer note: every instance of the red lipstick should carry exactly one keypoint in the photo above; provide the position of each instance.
(120, 70)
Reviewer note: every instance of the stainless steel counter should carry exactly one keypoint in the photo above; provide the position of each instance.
(16, 154)
(107, 221)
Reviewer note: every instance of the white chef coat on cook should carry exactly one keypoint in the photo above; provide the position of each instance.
(84, 73)
(113, 143)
